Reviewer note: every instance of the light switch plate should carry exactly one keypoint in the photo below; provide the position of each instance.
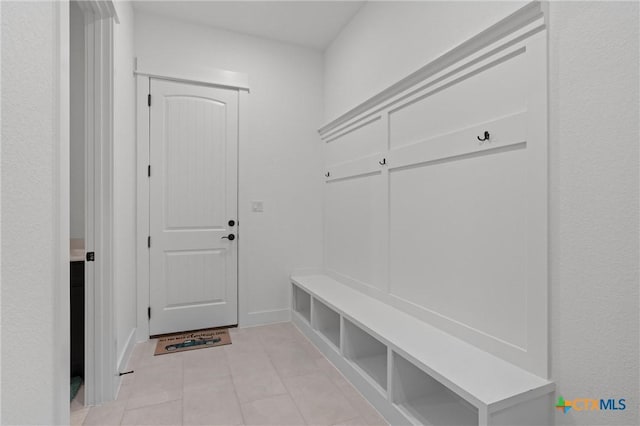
(257, 206)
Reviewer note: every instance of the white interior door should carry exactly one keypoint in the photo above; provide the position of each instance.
(193, 207)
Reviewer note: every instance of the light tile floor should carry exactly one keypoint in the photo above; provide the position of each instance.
(270, 375)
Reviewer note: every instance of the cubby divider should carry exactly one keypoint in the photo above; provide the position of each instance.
(327, 322)
(366, 352)
(426, 400)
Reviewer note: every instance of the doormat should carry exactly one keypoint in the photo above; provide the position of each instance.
(190, 340)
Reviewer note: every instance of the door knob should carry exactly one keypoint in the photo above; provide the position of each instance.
(230, 237)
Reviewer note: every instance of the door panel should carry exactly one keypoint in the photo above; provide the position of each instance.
(196, 167)
(193, 195)
(189, 274)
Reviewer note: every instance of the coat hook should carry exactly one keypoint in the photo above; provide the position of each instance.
(383, 162)
(486, 137)
(327, 174)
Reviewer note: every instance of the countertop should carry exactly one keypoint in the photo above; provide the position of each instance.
(76, 246)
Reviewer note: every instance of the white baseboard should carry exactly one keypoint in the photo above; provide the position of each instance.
(123, 359)
(265, 317)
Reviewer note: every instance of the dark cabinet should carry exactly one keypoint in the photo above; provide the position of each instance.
(77, 319)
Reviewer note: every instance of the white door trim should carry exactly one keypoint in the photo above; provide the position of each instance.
(148, 67)
(142, 206)
(142, 197)
(101, 376)
(61, 302)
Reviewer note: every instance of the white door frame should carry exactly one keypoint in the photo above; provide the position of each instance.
(145, 70)
(61, 191)
(101, 375)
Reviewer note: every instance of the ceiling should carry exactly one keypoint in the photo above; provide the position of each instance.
(312, 24)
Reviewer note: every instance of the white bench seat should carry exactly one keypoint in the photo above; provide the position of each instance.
(483, 380)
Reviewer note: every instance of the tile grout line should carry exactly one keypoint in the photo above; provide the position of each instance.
(125, 402)
(233, 383)
(345, 379)
(258, 338)
(306, 421)
(288, 391)
(182, 396)
(182, 399)
(283, 379)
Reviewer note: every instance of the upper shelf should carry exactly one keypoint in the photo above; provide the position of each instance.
(523, 22)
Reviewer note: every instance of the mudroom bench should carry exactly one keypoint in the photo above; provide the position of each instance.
(412, 372)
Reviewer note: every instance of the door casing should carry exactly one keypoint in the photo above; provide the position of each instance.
(145, 70)
(101, 379)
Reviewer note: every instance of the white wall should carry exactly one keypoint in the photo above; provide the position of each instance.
(593, 168)
(594, 56)
(124, 189)
(77, 141)
(280, 161)
(35, 214)
(388, 40)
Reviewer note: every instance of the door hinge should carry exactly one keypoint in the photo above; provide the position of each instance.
(149, 242)
(149, 170)
(149, 99)
(91, 256)
(149, 312)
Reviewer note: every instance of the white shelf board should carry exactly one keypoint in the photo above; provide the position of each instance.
(306, 314)
(302, 317)
(327, 322)
(333, 336)
(376, 367)
(478, 376)
(439, 410)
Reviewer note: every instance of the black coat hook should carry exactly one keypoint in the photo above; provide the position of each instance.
(486, 136)
(327, 174)
(383, 162)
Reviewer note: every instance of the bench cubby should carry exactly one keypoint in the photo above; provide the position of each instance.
(425, 400)
(366, 352)
(302, 303)
(327, 322)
